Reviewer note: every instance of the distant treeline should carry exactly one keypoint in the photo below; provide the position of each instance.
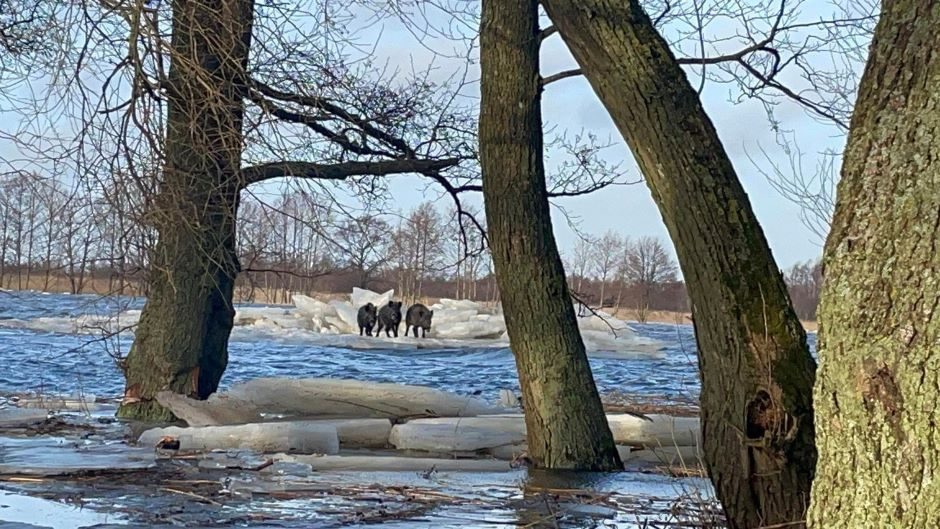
(85, 239)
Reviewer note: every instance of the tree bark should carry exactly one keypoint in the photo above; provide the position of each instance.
(876, 395)
(182, 338)
(565, 421)
(757, 373)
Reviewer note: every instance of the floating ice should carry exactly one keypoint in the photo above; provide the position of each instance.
(249, 401)
(456, 324)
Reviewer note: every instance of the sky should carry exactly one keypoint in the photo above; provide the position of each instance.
(571, 105)
(743, 128)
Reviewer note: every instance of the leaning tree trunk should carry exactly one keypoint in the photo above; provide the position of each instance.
(877, 391)
(757, 373)
(182, 339)
(566, 425)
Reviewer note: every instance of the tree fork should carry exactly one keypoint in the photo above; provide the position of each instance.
(757, 373)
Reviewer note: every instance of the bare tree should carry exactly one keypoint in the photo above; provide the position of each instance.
(648, 265)
(805, 281)
(363, 245)
(607, 251)
(579, 261)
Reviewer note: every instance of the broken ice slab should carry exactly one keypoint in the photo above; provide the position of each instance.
(360, 297)
(655, 430)
(59, 403)
(467, 434)
(320, 398)
(310, 437)
(19, 417)
(504, 435)
(47, 459)
(508, 399)
(361, 433)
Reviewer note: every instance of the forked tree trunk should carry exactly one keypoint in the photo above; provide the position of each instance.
(757, 373)
(877, 391)
(565, 421)
(182, 339)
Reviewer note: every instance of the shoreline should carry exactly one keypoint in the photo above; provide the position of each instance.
(99, 287)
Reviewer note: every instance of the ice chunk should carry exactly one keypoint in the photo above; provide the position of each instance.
(320, 398)
(495, 433)
(347, 314)
(466, 434)
(309, 437)
(655, 430)
(467, 329)
(360, 297)
(17, 417)
(48, 459)
(361, 433)
(312, 307)
(458, 304)
(56, 403)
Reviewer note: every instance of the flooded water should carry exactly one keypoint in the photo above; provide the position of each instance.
(43, 353)
(46, 347)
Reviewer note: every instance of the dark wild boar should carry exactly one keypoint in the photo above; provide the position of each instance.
(390, 318)
(366, 318)
(418, 317)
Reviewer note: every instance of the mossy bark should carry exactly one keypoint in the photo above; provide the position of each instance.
(879, 379)
(757, 373)
(565, 421)
(182, 338)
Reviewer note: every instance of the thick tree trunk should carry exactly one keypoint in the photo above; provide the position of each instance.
(757, 372)
(877, 391)
(565, 421)
(182, 339)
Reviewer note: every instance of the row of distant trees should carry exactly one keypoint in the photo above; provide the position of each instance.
(57, 236)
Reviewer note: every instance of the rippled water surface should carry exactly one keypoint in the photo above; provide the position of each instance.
(41, 352)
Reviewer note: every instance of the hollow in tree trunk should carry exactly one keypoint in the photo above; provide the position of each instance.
(877, 390)
(757, 373)
(566, 425)
(182, 338)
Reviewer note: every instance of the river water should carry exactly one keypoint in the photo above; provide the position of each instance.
(43, 351)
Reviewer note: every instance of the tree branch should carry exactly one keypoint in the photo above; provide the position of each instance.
(334, 110)
(560, 75)
(340, 171)
(547, 32)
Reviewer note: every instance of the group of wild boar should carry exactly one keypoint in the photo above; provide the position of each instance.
(388, 319)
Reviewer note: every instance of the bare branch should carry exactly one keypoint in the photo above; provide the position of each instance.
(560, 75)
(547, 32)
(341, 171)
